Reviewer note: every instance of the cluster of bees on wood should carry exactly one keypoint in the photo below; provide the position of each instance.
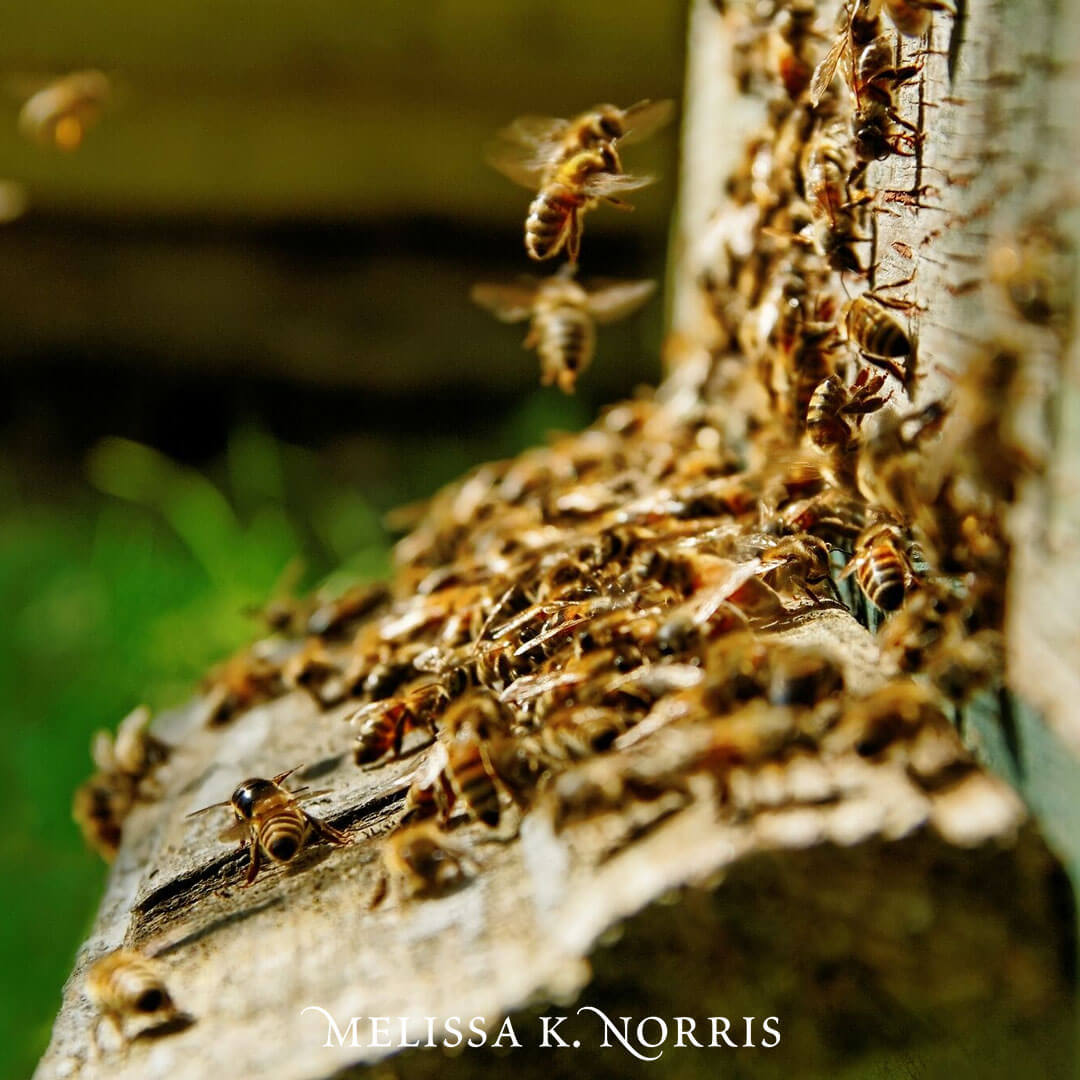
(586, 628)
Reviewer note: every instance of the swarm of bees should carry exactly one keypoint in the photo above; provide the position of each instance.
(572, 165)
(590, 626)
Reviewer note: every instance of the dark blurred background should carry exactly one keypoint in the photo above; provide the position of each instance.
(235, 329)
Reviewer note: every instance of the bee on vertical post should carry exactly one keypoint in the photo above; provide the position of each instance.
(881, 565)
(270, 821)
(563, 317)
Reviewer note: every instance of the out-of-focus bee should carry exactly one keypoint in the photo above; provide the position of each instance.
(792, 32)
(886, 720)
(563, 314)
(882, 341)
(270, 821)
(127, 987)
(1036, 269)
(384, 724)
(577, 733)
(241, 682)
(826, 169)
(423, 860)
(834, 515)
(965, 663)
(911, 17)
(123, 763)
(533, 147)
(833, 407)
(331, 616)
(13, 201)
(60, 114)
(881, 566)
(315, 669)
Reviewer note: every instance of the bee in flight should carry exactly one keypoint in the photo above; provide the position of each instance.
(270, 821)
(61, 113)
(572, 165)
(564, 315)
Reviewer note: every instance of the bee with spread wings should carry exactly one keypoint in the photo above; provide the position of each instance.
(564, 314)
(572, 165)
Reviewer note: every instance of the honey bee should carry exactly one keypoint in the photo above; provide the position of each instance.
(384, 724)
(124, 762)
(472, 779)
(60, 114)
(832, 403)
(269, 821)
(826, 170)
(423, 860)
(1036, 271)
(532, 147)
(334, 615)
(881, 340)
(564, 316)
(793, 29)
(314, 669)
(886, 720)
(241, 682)
(873, 82)
(911, 17)
(881, 565)
(126, 986)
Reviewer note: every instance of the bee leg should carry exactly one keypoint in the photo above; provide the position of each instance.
(329, 833)
(253, 865)
(619, 204)
(573, 239)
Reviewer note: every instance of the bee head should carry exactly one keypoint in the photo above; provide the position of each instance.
(248, 794)
(608, 122)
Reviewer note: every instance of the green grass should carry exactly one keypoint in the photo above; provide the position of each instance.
(126, 590)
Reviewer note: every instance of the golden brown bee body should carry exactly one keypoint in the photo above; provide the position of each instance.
(423, 860)
(270, 821)
(881, 565)
(556, 215)
(471, 777)
(826, 169)
(126, 987)
(384, 724)
(564, 314)
(877, 335)
(60, 114)
(835, 409)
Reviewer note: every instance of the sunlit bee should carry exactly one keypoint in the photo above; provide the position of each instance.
(384, 724)
(127, 986)
(471, 776)
(877, 335)
(270, 821)
(564, 314)
(881, 565)
(556, 216)
(60, 114)
(533, 147)
(861, 27)
(834, 409)
(826, 170)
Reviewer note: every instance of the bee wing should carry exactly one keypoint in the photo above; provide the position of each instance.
(532, 686)
(236, 831)
(534, 131)
(524, 164)
(608, 302)
(606, 183)
(644, 118)
(508, 303)
(825, 72)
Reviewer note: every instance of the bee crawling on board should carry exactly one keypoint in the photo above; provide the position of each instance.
(422, 861)
(563, 314)
(130, 994)
(270, 821)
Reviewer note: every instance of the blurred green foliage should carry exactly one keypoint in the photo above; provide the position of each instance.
(126, 590)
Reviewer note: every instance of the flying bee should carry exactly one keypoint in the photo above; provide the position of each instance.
(911, 17)
(270, 821)
(881, 565)
(881, 340)
(423, 860)
(834, 407)
(532, 147)
(126, 986)
(564, 316)
(886, 720)
(384, 724)
(60, 114)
